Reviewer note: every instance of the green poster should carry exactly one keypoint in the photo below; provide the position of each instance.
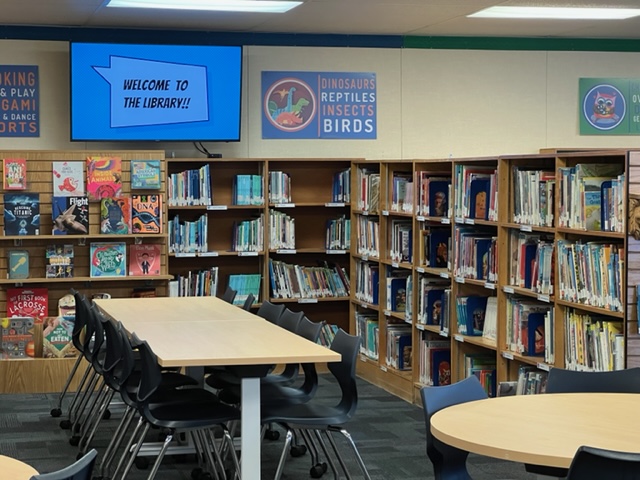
(609, 106)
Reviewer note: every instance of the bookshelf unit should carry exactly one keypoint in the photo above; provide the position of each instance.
(302, 217)
(46, 374)
(523, 232)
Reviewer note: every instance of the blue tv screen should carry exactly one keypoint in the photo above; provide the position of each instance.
(155, 92)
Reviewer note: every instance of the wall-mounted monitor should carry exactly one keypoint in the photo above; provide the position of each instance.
(127, 92)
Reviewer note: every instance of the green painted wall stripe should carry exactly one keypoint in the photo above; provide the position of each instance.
(524, 43)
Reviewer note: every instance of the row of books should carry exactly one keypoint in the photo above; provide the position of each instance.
(190, 187)
(248, 190)
(341, 186)
(327, 334)
(282, 230)
(397, 289)
(279, 187)
(593, 342)
(591, 274)
(476, 192)
(248, 235)
(338, 236)
(531, 262)
(367, 328)
(533, 196)
(369, 182)
(526, 324)
(367, 282)
(402, 192)
(199, 283)
(188, 236)
(434, 361)
(471, 313)
(430, 291)
(476, 254)
(399, 349)
(368, 236)
(531, 381)
(591, 197)
(245, 284)
(401, 240)
(483, 366)
(300, 281)
(434, 191)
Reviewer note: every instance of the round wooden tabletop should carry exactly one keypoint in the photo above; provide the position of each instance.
(12, 469)
(542, 429)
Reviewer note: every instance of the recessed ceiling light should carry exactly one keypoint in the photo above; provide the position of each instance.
(573, 13)
(275, 6)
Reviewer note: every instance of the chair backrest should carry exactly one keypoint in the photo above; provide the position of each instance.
(248, 302)
(80, 321)
(435, 399)
(229, 295)
(95, 331)
(150, 372)
(270, 311)
(80, 470)
(289, 320)
(113, 351)
(344, 371)
(591, 462)
(573, 381)
(309, 329)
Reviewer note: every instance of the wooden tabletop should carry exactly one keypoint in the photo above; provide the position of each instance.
(12, 469)
(200, 331)
(542, 429)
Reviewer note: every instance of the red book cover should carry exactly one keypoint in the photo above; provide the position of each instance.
(144, 259)
(14, 173)
(27, 302)
(104, 177)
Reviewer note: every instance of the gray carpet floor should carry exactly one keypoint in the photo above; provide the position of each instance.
(389, 433)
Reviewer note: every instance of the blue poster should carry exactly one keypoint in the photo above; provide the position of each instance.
(19, 101)
(327, 105)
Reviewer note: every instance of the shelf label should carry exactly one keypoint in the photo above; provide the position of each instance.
(385, 213)
(459, 220)
(307, 300)
(395, 264)
(334, 204)
(286, 251)
(526, 228)
(543, 366)
(208, 254)
(336, 252)
(460, 280)
(445, 221)
(507, 355)
(365, 258)
(365, 212)
(247, 254)
(459, 338)
(507, 289)
(420, 270)
(383, 368)
(544, 298)
(363, 358)
(443, 333)
(419, 326)
(387, 312)
(185, 254)
(284, 205)
(444, 275)
(420, 218)
(469, 221)
(216, 207)
(490, 286)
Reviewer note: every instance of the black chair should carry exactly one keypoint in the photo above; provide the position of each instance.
(590, 463)
(80, 470)
(573, 381)
(448, 462)
(270, 311)
(248, 302)
(316, 416)
(229, 295)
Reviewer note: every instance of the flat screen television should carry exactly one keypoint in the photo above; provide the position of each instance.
(127, 92)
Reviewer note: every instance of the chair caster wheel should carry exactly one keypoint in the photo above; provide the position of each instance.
(318, 470)
(65, 424)
(106, 415)
(272, 435)
(74, 441)
(298, 450)
(56, 412)
(142, 463)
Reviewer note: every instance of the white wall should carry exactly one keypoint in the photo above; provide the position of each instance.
(431, 103)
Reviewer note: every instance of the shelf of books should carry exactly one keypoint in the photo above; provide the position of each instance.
(276, 228)
(89, 220)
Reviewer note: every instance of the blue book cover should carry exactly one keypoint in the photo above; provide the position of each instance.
(439, 197)
(440, 366)
(533, 340)
(439, 247)
(434, 306)
(479, 202)
(18, 264)
(483, 245)
(404, 352)
(108, 259)
(605, 211)
(398, 294)
(475, 312)
(530, 250)
(21, 214)
(145, 174)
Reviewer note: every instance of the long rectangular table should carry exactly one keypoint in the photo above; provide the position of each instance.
(203, 331)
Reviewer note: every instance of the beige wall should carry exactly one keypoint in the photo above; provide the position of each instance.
(431, 103)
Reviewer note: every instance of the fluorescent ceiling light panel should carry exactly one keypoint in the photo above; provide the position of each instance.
(560, 13)
(275, 6)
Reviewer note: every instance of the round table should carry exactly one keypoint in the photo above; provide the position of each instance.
(12, 469)
(544, 429)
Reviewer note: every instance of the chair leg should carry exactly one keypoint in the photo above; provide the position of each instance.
(317, 467)
(163, 450)
(332, 464)
(116, 440)
(204, 447)
(232, 451)
(76, 398)
(86, 439)
(347, 435)
(129, 456)
(57, 410)
(283, 455)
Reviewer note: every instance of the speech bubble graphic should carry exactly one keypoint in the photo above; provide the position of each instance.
(150, 92)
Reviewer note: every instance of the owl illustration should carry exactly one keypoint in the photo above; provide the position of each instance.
(604, 106)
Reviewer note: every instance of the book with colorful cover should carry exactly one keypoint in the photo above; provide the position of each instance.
(16, 337)
(440, 366)
(104, 177)
(27, 302)
(14, 173)
(144, 259)
(146, 213)
(108, 259)
(59, 261)
(57, 331)
(145, 174)
(70, 215)
(18, 264)
(115, 215)
(21, 214)
(68, 179)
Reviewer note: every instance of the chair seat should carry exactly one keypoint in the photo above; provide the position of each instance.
(270, 394)
(189, 409)
(305, 415)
